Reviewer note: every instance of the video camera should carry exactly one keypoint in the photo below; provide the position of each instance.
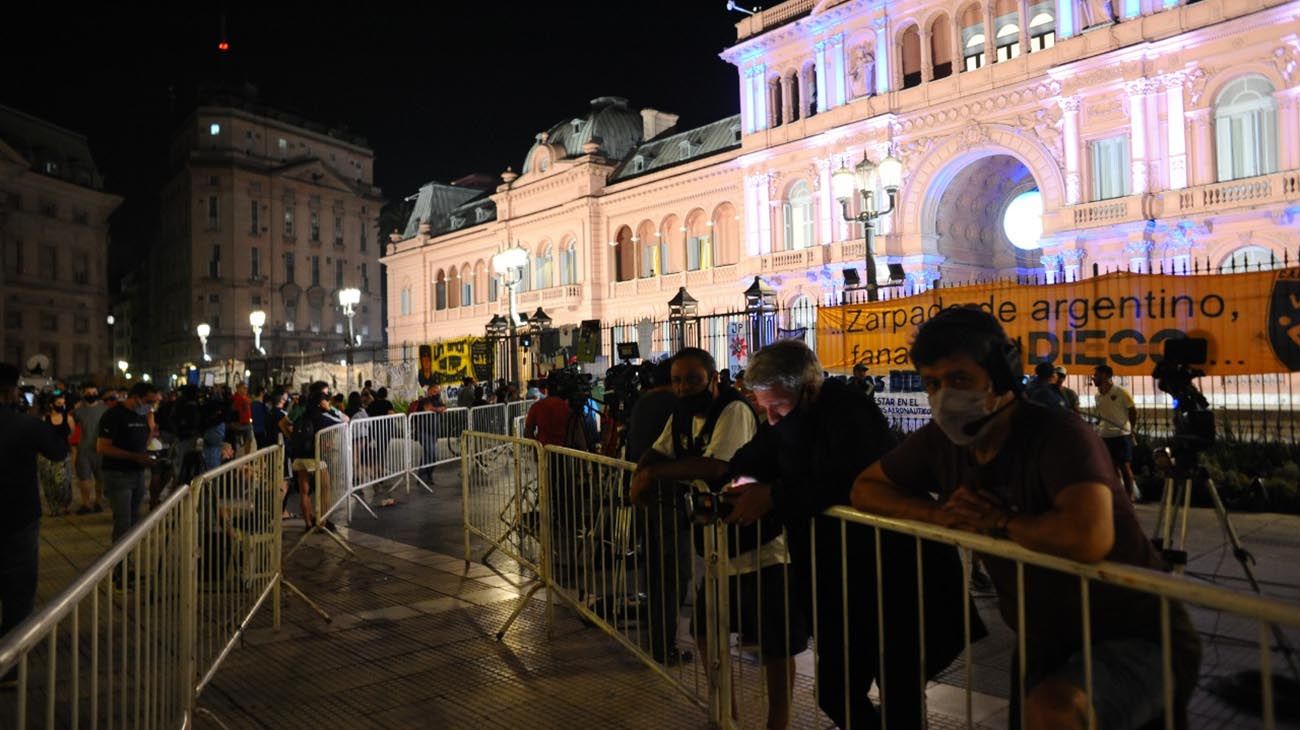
(571, 384)
(1194, 429)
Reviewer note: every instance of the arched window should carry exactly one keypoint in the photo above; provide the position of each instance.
(647, 242)
(941, 47)
(492, 287)
(774, 98)
(911, 57)
(972, 38)
(1247, 258)
(810, 89)
(526, 276)
(569, 263)
(481, 280)
(799, 217)
(545, 268)
(792, 83)
(622, 249)
(1245, 128)
(1042, 26)
(453, 288)
(1006, 21)
(466, 287)
(406, 300)
(671, 233)
(724, 235)
(699, 242)
(440, 291)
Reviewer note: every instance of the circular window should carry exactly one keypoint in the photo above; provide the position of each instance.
(1023, 220)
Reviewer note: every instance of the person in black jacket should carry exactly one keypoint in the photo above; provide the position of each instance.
(823, 434)
(22, 437)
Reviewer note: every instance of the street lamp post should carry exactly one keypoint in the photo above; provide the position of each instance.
(681, 308)
(866, 179)
(536, 324)
(760, 306)
(509, 265)
(112, 341)
(349, 299)
(495, 330)
(256, 320)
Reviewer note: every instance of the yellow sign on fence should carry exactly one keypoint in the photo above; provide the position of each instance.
(1251, 320)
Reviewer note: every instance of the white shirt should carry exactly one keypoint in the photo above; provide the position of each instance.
(736, 426)
(1112, 408)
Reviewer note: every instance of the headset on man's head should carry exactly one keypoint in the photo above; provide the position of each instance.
(1004, 363)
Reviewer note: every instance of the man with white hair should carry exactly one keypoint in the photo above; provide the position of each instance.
(824, 433)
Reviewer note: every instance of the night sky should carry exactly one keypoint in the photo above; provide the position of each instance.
(439, 89)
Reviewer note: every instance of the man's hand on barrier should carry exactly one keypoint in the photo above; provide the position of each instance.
(972, 510)
(752, 500)
(642, 489)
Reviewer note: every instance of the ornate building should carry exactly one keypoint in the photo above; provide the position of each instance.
(54, 297)
(1043, 138)
(263, 211)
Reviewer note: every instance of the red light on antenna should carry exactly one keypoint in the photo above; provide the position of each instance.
(223, 46)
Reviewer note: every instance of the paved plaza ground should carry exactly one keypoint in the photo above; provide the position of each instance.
(412, 640)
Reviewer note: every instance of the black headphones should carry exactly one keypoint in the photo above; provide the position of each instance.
(1004, 363)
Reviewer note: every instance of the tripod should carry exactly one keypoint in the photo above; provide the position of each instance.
(1181, 473)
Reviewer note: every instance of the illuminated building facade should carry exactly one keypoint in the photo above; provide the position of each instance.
(1151, 135)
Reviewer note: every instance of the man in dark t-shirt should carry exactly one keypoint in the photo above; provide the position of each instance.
(1006, 467)
(122, 443)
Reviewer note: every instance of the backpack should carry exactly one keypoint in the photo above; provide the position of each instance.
(302, 444)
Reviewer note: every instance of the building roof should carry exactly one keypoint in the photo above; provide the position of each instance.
(609, 121)
(674, 149)
(449, 208)
(50, 149)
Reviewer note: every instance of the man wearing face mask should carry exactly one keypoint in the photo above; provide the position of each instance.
(823, 433)
(710, 424)
(1006, 467)
(122, 443)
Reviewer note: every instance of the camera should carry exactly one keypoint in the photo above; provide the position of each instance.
(708, 507)
(1194, 428)
(571, 384)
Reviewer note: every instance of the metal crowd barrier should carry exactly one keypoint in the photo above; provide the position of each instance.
(382, 455)
(517, 426)
(516, 410)
(134, 641)
(624, 570)
(489, 419)
(438, 436)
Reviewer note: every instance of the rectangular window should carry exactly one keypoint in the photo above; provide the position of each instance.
(254, 213)
(1110, 167)
(81, 358)
(257, 300)
(338, 273)
(365, 279)
(288, 268)
(338, 230)
(214, 212)
(13, 319)
(290, 314)
(283, 145)
(406, 302)
(81, 324)
(492, 289)
(315, 271)
(315, 317)
(14, 256)
(214, 181)
(50, 321)
(255, 263)
(315, 227)
(288, 222)
(364, 235)
(80, 270)
(214, 263)
(49, 261)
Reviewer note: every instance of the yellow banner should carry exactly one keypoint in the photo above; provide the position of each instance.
(1251, 321)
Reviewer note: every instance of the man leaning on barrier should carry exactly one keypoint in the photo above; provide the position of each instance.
(1040, 477)
(824, 433)
(710, 424)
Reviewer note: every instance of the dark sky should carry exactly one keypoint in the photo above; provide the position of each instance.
(440, 89)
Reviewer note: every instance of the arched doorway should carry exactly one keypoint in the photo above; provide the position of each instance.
(987, 219)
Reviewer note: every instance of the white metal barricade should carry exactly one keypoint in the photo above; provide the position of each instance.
(489, 419)
(517, 426)
(134, 641)
(382, 454)
(438, 437)
(516, 410)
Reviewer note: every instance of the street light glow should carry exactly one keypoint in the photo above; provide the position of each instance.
(203, 330)
(349, 297)
(111, 320)
(257, 318)
(511, 258)
(121, 365)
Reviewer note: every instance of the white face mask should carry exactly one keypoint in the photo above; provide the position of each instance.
(953, 409)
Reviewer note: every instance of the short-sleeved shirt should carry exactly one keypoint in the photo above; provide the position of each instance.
(241, 407)
(1048, 450)
(88, 416)
(550, 416)
(1112, 409)
(127, 430)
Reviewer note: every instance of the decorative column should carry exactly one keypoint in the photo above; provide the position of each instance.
(1139, 255)
(1051, 267)
(838, 80)
(1073, 260)
(927, 60)
(1175, 131)
(758, 86)
(819, 64)
(1201, 169)
(765, 181)
(746, 103)
(990, 25)
(1137, 91)
(752, 246)
(1022, 7)
(1070, 121)
(884, 56)
(1066, 25)
(1288, 124)
(826, 204)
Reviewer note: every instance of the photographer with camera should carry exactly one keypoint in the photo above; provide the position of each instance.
(823, 433)
(1005, 467)
(1116, 420)
(711, 423)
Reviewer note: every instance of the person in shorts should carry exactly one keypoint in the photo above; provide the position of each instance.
(308, 466)
(1116, 418)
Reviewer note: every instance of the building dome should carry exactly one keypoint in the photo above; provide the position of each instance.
(609, 122)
